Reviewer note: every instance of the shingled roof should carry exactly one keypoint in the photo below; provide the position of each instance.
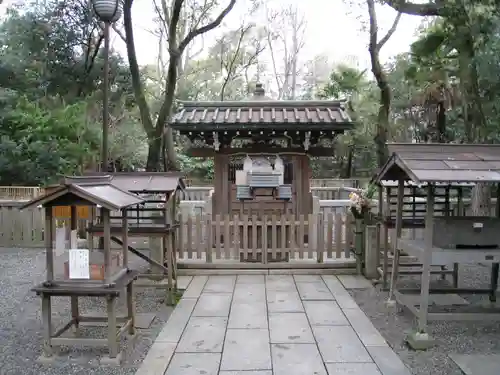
(260, 112)
(438, 163)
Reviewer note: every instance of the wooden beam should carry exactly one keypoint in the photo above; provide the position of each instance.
(210, 152)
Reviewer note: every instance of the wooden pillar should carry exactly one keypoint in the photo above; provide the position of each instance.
(220, 197)
(107, 250)
(49, 243)
(75, 315)
(399, 226)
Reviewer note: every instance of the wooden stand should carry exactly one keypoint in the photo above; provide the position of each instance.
(110, 287)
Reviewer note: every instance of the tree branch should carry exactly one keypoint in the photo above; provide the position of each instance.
(201, 30)
(424, 10)
(390, 32)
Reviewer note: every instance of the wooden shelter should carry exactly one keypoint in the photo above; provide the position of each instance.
(261, 149)
(108, 284)
(449, 237)
(153, 218)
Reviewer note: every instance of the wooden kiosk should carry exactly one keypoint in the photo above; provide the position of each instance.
(450, 238)
(261, 149)
(108, 284)
(155, 218)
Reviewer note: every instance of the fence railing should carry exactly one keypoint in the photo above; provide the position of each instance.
(265, 239)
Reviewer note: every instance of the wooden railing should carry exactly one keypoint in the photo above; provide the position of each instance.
(267, 239)
(20, 192)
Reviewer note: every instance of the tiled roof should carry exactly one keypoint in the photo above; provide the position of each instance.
(434, 162)
(324, 114)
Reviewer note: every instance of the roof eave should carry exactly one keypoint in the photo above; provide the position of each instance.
(318, 126)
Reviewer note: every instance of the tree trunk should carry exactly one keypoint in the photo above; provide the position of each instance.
(154, 152)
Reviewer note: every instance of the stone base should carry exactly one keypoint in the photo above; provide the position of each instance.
(108, 361)
(391, 304)
(420, 341)
(44, 360)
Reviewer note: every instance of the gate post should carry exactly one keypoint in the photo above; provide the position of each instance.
(370, 253)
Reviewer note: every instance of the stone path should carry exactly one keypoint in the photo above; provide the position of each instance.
(270, 325)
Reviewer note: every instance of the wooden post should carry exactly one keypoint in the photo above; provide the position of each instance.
(106, 243)
(371, 249)
(399, 226)
(49, 258)
(74, 299)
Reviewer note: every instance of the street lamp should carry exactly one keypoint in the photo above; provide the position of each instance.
(107, 11)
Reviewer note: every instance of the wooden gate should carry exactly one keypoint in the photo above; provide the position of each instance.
(314, 238)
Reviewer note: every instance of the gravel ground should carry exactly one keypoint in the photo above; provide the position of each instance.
(20, 323)
(452, 337)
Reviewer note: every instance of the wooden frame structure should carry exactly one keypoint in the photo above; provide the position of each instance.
(160, 192)
(113, 282)
(431, 165)
(413, 212)
(262, 129)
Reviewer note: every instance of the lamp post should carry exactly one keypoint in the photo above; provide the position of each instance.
(107, 11)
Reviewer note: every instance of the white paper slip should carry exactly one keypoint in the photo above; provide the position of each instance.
(79, 264)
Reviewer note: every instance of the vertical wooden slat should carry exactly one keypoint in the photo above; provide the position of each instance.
(254, 237)
(236, 237)
(245, 235)
(180, 237)
(264, 239)
(312, 236)
(300, 237)
(199, 237)
(217, 237)
(227, 237)
(209, 235)
(274, 237)
(330, 222)
(338, 235)
(291, 221)
(190, 228)
(320, 232)
(349, 234)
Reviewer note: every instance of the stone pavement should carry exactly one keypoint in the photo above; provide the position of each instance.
(270, 325)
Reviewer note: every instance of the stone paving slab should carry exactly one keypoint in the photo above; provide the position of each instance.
(307, 278)
(246, 349)
(194, 364)
(340, 344)
(248, 293)
(363, 326)
(290, 328)
(325, 313)
(250, 279)
(270, 325)
(220, 284)
(297, 359)
(213, 305)
(284, 301)
(314, 291)
(355, 282)
(195, 287)
(477, 364)
(258, 372)
(203, 335)
(157, 359)
(250, 315)
(172, 331)
(390, 364)
(352, 369)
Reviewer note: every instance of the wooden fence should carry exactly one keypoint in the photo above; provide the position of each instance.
(316, 237)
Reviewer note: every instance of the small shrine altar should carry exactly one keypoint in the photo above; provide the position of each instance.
(261, 149)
